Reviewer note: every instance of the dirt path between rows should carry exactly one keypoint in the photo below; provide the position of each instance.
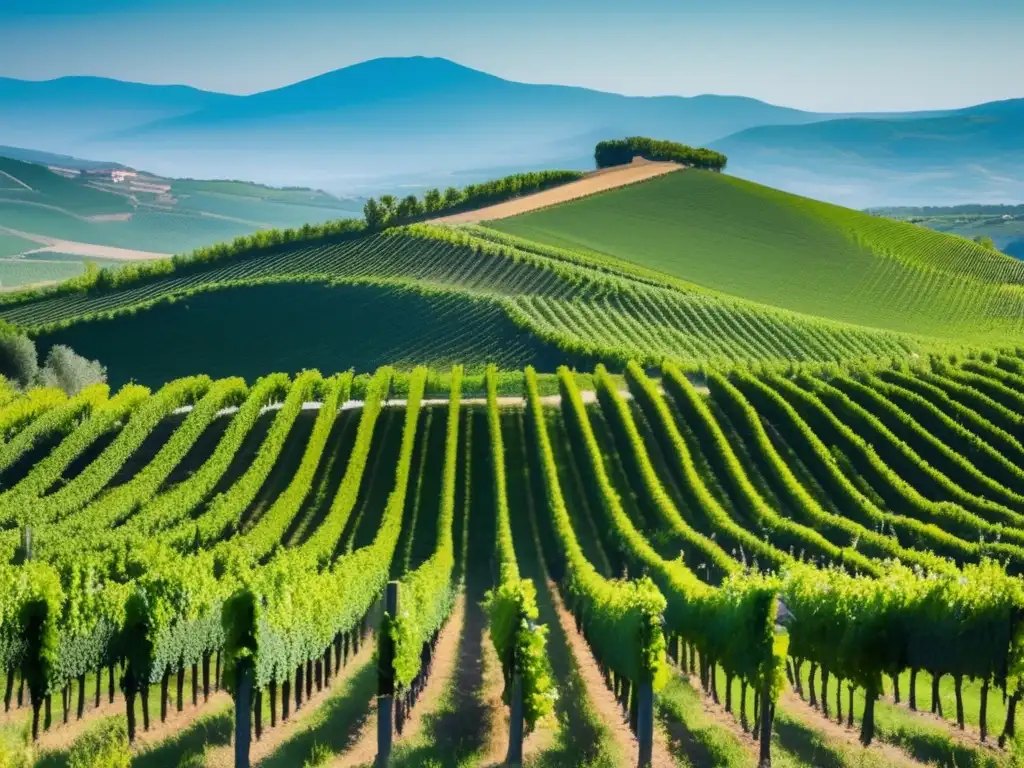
(446, 654)
(477, 718)
(60, 736)
(603, 699)
(589, 396)
(273, 738)
(592, 183)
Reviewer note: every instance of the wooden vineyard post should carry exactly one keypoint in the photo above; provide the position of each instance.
(386, 681)
(767, 711)
(515, 722)
(243, 702)
(26, 542)
(645, 721)
(783, 618)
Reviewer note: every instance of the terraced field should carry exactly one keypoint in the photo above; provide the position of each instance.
(172, 529)
(765, 245)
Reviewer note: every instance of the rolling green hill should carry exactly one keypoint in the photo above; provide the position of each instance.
(692, 267)
(587, 307)
(143, 212)
(772, 247)
(32, 184)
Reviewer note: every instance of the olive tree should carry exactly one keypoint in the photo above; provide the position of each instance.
(66, 369)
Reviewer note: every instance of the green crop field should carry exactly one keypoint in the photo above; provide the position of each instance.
(589, 308)
(883, 507)
(28, 269)
(761, 244)
(687, 473)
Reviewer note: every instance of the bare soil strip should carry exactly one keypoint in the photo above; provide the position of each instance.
(603, 699)
(110, 217)
(60, 737)
(476, 719)
(588, 395)
(446, 655)
(90, 251)
(598, 181)
(273, 738)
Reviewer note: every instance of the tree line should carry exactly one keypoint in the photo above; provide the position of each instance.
(389, 211)
(622, 151)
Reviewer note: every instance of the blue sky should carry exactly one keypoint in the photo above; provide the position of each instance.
(829, 55)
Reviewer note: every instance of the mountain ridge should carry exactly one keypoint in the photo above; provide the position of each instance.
(972, 155)
(424, 119)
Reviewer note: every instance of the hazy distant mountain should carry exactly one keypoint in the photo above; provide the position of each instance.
(423, 121)
(62, 115)
(423, 115)
(446, 94)
(352, 126)
(970, 155)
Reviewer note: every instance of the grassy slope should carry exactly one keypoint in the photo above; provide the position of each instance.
(758, 243)
(20, 270)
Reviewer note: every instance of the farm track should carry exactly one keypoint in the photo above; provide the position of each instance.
(598, 181)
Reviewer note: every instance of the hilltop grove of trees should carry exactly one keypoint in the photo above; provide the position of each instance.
(622, 151)
(389, 211)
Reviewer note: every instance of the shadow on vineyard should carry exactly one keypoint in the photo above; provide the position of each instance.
(229, 331)
(339, 722)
